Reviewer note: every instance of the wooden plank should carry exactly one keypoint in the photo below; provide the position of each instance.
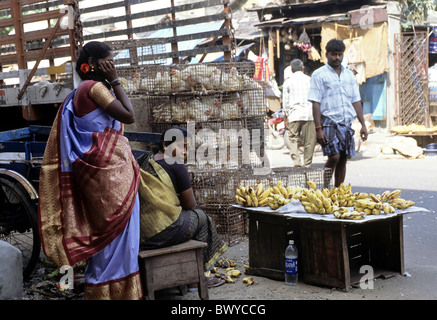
(40, 57)
(43, 34)
(183, 53)
(140, 29)
(8, 22)
(158, 26)
(32, 55)
(188, 245)
(28, 2)
(42, 16)
(114, 5)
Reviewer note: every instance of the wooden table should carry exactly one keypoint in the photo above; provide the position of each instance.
(331, 251)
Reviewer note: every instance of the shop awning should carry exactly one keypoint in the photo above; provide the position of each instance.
(219, 56)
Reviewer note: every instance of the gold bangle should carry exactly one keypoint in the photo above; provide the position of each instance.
(318, 128)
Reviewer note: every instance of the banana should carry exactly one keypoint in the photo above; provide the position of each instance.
(309, 209)
(362, 203)
(239, 192)
(354, 215)
(274, 205)
(334, 197)
(319, 194)
(283, 191)
(228, 279)
(371, 205)
(343, 203)
(263, 203)
(359, 209)
(333, 190)
(325, 192)
(265, 194)
(362, 195)
(318, 202)
(386, 207)
(254, 201)
(384, 195)
(312, 185)
(259, 189)
(276, 190)
(402, 204)
(367, 211)
(233, 273)
(394, 194)
(376, 211)
(251, 192)
(326, 203)
(342, 209)
(248, 200)
(248, 281)
(240, 200)
(373, 197)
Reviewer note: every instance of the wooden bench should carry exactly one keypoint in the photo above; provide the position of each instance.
(173, 266)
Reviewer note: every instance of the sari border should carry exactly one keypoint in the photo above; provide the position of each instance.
(126, 288)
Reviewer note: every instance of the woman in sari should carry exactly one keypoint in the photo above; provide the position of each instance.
(168, 208)
(89, 204)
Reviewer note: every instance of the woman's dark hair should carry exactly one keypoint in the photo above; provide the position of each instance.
(335, 45)
(173, 134)
(95, 50)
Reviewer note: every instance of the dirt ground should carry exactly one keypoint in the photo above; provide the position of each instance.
(418, 282)
(394, 288)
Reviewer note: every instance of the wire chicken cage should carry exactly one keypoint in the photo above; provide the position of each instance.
(214, 191)
(208, 78)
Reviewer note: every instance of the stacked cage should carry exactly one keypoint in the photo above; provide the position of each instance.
(217, 101)
(222, 106)
(215, 193)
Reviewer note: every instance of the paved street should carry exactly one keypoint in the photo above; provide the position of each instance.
(370, 171)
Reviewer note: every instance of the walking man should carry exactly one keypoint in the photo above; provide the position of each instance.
(300, 114)
(336, 101)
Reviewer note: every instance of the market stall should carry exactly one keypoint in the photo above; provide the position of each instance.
(333, 247)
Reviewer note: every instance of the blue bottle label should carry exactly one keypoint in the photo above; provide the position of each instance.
(290, 266)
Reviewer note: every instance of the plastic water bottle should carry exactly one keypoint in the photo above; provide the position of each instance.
(291, 264)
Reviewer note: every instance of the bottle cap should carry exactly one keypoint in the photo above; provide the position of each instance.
(291, 242)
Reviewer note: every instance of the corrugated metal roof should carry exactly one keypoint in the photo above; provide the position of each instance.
(303, 20)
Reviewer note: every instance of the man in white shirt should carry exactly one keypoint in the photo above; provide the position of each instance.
(336, 101)
(299, 113)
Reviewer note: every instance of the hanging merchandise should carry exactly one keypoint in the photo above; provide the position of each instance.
(304, 43)
(313, 54)
(262, 73)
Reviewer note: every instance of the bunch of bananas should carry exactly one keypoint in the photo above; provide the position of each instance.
(345, 197)
(327, 201)
(316, 201)
(392, 198)
(275, 196)
(251, 197)
(368, 206)
(352, 215)
(410, 128)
